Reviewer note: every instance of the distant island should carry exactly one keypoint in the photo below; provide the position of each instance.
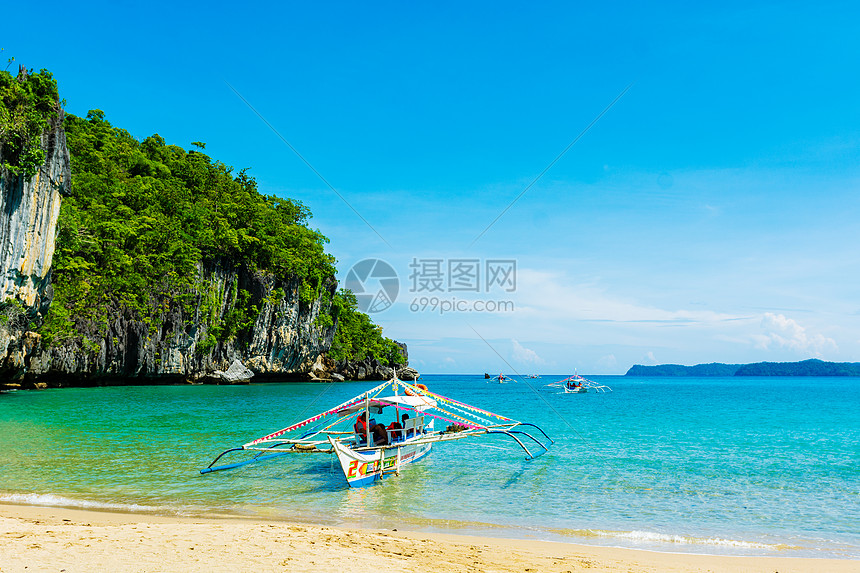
(812, 367)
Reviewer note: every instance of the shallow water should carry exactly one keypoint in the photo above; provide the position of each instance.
(751, 466)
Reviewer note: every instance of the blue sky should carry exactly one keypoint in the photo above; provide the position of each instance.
(709, 215)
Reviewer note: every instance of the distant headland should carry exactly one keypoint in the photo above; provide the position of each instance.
(812, 367)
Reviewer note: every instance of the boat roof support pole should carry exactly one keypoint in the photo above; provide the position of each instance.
(367, 418)
(397, 406)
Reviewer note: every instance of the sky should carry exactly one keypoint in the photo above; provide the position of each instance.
(621, 184)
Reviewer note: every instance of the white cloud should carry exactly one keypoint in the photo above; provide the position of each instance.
(784, 332)
(523, 354)
(553, 297)
(649, 358)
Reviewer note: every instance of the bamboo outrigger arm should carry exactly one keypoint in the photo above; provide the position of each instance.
(510, 433)
(539, 429)
(257, 458)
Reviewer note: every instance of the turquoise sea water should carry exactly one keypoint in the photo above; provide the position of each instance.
(751, 466)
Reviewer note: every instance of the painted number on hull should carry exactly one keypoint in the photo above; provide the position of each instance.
(358, 468)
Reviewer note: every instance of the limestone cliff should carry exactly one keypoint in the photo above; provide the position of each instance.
(29, 208)
(285, 339)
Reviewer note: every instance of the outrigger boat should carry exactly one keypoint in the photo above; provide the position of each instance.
(368, 451)
(502, 379)
(576, 384)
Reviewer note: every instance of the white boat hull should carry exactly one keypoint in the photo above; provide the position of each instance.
(364, 468)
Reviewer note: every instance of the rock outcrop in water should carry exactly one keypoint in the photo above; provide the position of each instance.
(372, 369)
(326, 369)
(29, 208)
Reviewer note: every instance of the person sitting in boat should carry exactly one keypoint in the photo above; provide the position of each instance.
(380, 436)
(360, 426)
(396, 431)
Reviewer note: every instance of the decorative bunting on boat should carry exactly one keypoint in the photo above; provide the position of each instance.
(348, 403)
(441, 398)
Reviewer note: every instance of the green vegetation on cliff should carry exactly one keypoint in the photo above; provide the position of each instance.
(357, 337)
(28, 104)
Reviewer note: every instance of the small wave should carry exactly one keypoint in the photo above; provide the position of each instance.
(654, 537)
(52, 500)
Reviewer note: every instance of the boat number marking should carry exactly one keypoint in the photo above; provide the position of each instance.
(358, 468)
(361, 470)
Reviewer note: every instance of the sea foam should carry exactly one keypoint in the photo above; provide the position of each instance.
(51, 500)
(652, 537)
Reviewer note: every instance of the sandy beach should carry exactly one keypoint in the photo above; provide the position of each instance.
(55, 539)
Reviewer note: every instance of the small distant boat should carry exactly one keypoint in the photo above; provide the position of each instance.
(533, 376)
(367, 451)
(572, 387)
(577, 384)
(502, 379)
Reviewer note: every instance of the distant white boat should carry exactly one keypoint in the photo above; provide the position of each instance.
(577, 384)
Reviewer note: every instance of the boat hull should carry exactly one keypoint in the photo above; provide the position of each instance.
(363, 468)
(581, 390)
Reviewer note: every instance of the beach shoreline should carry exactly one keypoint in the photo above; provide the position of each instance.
(54, 538)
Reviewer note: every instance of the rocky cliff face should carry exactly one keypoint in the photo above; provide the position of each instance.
(326, 369)
(372, 369)
(285, 340)
(29, 208)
